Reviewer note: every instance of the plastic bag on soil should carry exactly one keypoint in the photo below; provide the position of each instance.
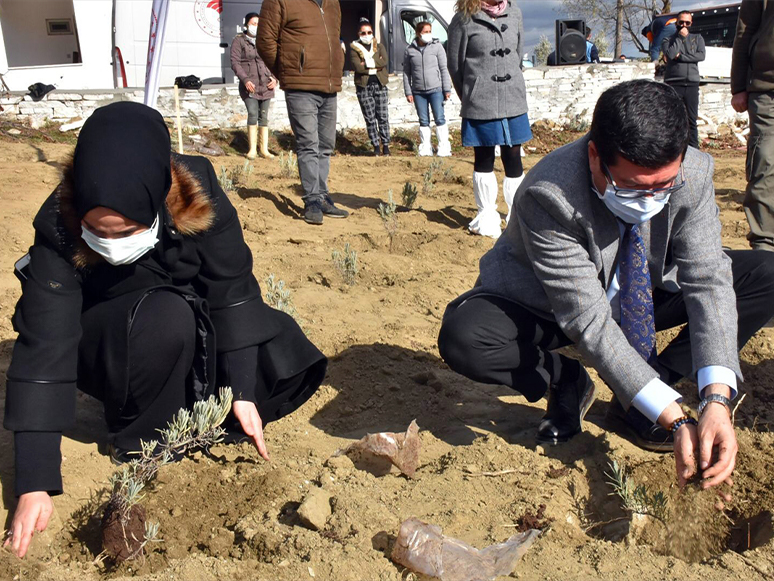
(400, 449)
(422, 548)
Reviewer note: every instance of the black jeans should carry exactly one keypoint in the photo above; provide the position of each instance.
(494, 340)
(690, 97)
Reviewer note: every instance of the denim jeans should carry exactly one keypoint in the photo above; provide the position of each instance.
(257, 111)
(434, 100)
(312, 118)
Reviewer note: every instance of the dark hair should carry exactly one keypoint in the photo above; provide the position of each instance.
(420, 25)
(249, 16)
(688, 12)
(588, 33)
(643, 121)
(364, 22)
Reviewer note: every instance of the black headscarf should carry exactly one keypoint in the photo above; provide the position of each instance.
(122, 162)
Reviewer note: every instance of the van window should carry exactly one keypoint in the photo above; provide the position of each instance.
(410, 18)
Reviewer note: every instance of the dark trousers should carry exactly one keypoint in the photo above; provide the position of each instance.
(484, 159)
(494, 340)
(158, 363)
(690, 97)
(759, 201)
(312, 117)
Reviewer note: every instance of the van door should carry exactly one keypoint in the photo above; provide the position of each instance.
(398, 23)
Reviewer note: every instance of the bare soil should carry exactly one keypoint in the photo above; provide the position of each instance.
(230, 515)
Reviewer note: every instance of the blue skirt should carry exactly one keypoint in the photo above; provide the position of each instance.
(491, 132)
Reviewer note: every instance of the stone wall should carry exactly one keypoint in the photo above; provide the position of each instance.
(564, 95)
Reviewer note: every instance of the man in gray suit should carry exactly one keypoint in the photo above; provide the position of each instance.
(617, 236)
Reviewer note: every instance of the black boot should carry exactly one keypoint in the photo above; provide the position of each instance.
(567, 406)
(385, 149)
(377, 153)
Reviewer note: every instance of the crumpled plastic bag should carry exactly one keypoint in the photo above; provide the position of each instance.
(422, 548)
(402, 450)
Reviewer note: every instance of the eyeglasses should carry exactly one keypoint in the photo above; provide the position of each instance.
(686, 23)
(657, 194)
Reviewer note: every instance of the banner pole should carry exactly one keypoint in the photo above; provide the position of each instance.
(179, 124)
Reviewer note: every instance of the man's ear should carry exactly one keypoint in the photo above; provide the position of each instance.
(593, 156)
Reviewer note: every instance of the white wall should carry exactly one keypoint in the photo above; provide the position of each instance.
(93, 19)
(27, 42)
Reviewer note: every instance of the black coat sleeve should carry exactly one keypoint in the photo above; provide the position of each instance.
(40, 388)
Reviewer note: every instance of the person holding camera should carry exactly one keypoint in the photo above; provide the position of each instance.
(256, 86)
(683, 51)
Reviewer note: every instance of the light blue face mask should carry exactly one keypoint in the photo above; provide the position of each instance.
(630, 210)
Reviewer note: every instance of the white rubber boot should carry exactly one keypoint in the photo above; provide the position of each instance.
(444, 147)
(510, 185)
(425, 146)
(487, 221)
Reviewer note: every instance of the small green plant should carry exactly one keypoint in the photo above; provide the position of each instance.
(409, 194)
(427, 180)
(635, 499)
(278, 296)
(230, 180)
(288, 164)
(346, 264)
(389, 216)
(125, 531)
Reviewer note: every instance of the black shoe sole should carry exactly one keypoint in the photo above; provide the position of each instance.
(585, 406)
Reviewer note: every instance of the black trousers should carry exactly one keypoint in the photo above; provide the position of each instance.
(158, 363)
(690, 96)
(494, 340)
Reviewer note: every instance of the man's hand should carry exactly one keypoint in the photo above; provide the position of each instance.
(247, 415)
(250, 86)
(717, 432)
(410, 98)
(739, 102)
(32, 514)
(272, 83)
(686, 446)
(446, 96)
(684, 32)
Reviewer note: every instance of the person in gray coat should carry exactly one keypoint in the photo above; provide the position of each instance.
(256, 86)
(683, 52)
(427, 85)
(615, 237)
(485, 49)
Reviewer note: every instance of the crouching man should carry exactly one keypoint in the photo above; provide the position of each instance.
(617, 236)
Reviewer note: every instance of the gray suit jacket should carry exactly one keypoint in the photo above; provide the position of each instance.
(558, 256)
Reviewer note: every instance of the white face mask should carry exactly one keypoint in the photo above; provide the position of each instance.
(367, 39)
(118, 251)
(630, 210)
(427, 38)
(252, 29)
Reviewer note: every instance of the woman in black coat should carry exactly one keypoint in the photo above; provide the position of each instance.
(139, 291)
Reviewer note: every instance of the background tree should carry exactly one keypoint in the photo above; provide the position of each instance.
(603, 15)
(542, 50)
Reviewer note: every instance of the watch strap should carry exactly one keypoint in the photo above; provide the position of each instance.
(714, 397)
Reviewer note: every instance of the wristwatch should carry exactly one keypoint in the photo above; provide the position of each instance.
(714, 397)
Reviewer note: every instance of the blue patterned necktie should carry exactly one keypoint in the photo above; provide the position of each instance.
(636, 295)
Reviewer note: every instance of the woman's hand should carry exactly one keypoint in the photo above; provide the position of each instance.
(247, 415)
(272, 83)
(32, 514)
(250, 86)
(410, 98)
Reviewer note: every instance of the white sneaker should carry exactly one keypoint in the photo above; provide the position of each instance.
(510, 185)
(444, 147)
(425, 145)
(487, 221)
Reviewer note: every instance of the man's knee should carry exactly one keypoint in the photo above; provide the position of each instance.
(456, 342)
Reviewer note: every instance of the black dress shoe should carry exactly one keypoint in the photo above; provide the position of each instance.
(567, 406)
(639, 429)
(331, 210)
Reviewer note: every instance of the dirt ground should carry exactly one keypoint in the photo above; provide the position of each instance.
(230, 515)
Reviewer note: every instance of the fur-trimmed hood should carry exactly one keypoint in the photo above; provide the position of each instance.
(190, 211)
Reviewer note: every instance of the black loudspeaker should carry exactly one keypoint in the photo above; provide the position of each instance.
(570, 42)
